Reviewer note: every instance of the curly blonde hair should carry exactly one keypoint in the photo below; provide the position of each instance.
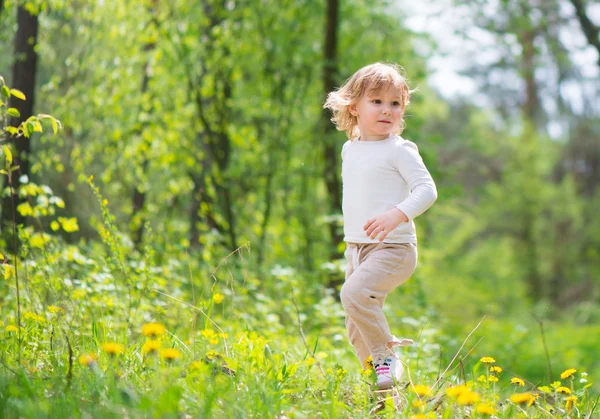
(367, 80)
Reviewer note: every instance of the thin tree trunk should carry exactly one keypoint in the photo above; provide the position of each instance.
(591, 31)
(331, 151)
(530, 107)
(23, 79)
(139, 196)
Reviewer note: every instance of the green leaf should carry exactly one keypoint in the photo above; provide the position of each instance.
(14, 112)
(11, 130)
(8, 153)
(5, 92)
(17, 93)
(54, 125)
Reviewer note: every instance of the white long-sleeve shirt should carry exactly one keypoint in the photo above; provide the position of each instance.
(378, 176)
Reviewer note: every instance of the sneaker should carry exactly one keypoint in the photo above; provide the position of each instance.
(389, 370)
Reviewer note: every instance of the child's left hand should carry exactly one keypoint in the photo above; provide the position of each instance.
(384, 223)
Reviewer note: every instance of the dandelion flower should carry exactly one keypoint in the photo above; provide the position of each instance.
(113, 348)
(11, 328)
(419, 416)
(456, 390)
(218, 298)
(369, 363)
(564, 390)
(151, 346)
(488, 360)
(54, 309)
(153, 330)
(521, 398)
(482, 379)
(485, 409)
(170, 354)
(421, 390)
(545, 389)
(468, 398)
(571, 401)
(418, 403)
(568, 373)
(34, 317)
(493, 379)
(517, 381)
(495, 369)
(308, 362)
(87, 359)
(215, 354)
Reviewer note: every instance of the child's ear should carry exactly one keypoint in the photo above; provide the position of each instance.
(352, 110)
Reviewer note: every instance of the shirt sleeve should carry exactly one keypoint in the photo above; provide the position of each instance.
(423, 192)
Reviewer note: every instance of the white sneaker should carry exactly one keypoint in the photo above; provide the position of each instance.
(389, 370)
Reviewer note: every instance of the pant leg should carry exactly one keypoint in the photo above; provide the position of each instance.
(356, 340)
(383, 267)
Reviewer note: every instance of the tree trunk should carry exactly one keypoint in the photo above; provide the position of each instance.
(23, 79)
(331, 151)
(139, 196)
(591, 31)
(530, 108)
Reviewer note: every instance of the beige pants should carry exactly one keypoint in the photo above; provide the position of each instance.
(374, 269)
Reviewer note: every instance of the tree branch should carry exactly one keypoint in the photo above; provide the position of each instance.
(591, 31)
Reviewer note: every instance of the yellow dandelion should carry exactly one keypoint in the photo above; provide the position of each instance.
(369, 363)
(208, 334)
(517, 381)
(571, 401)
(88, 359)
(34, 317)
(488, 360)
(153, 330)
(495, 369)
(533, 399)
(485, 409)
(214, 354)
(55, 310)
(11, 328)
(151, 346)
(482, 379)
(308, 361)
(563, 390)
(170, 354)
(493, 379)
(545, 389)
(419, 416)
(418, 403)
(468, 398)
(521, 398)
(421, 390)
(568, 373)
(218, 298)
(113, 348)
(456, 390)
(555, 384)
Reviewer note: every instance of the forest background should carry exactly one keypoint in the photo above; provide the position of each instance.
(195, 178)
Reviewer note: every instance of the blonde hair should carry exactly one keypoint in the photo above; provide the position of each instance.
(365, 81)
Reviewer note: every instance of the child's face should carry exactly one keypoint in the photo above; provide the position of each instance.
(379, 114)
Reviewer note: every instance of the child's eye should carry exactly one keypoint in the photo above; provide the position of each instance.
(376, 101)
(396, 103)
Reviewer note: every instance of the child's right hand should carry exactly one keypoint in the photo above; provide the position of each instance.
(384, 223)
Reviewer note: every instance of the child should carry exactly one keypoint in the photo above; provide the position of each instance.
(385, 186)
